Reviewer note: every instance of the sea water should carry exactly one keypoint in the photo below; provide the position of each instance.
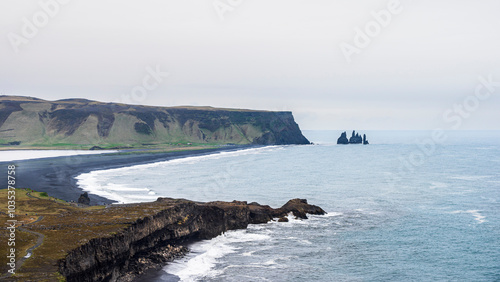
(404, 208)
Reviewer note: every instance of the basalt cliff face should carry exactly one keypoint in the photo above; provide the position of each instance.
(150, 242)
(36, 122)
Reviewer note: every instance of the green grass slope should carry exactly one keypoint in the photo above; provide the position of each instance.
(31, 122)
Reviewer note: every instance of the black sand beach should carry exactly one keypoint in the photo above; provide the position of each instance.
(56, 175)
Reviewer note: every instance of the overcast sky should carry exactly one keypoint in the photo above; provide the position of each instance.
(264, 54)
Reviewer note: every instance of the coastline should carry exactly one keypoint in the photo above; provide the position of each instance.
(125, 242)
(151, 241)
(56, 176)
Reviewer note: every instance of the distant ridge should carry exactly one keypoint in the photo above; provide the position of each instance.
(30, 121)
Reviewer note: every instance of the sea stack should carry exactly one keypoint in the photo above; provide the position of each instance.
(84, 199)
(343, 138)
(365, 142)
(355, 138)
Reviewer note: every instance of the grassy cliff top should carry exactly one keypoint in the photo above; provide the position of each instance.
(67, 123)
(64, 227)
(83, 239)
(81, 101)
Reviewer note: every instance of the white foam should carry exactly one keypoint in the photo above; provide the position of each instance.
(291, 221)
(192, 160)
(313, 220)
(89, 182)
(248, 254)
(92, 183)
(135, 197)
(329, 214)
(97, 181)
(202, 264)
(272, 263)
(202, 259)
(470, 177)
(301, 241)
(121, 188)
(18, 155)
(260, 249)
(475, 213)
(269, 262)
(485, 148)
(477, 216)
(434, 185)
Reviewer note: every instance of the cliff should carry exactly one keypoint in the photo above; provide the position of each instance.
(120, 242)
(29, 121)
(152, 241)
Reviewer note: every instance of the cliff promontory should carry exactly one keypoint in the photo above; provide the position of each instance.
(26, 121)
(58, 241)
(151, 241)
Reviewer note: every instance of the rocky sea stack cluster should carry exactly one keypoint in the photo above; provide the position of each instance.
(355, 139)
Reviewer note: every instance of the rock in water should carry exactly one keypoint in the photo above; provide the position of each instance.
(365, 142)
(299, 208)
(84, 199)
(355, 139)
(343, 139)
(283, 219)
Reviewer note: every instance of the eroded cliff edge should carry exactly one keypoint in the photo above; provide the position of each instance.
(151, 241)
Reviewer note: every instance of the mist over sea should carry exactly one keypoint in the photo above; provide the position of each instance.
(403, 208)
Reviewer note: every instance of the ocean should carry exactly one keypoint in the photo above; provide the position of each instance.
(404, 208)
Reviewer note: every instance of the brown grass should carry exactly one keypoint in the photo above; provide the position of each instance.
(65, 227)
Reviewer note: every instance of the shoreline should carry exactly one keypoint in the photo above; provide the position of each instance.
(149, 243)
(56, 175)
(101, 244)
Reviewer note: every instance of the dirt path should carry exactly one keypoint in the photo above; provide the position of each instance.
(39, 241)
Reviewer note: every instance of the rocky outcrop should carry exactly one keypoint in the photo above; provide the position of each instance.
(90, 123)
(84, 199)
(150, 242)
(299, 208)
(355, 139)
(343, 138)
